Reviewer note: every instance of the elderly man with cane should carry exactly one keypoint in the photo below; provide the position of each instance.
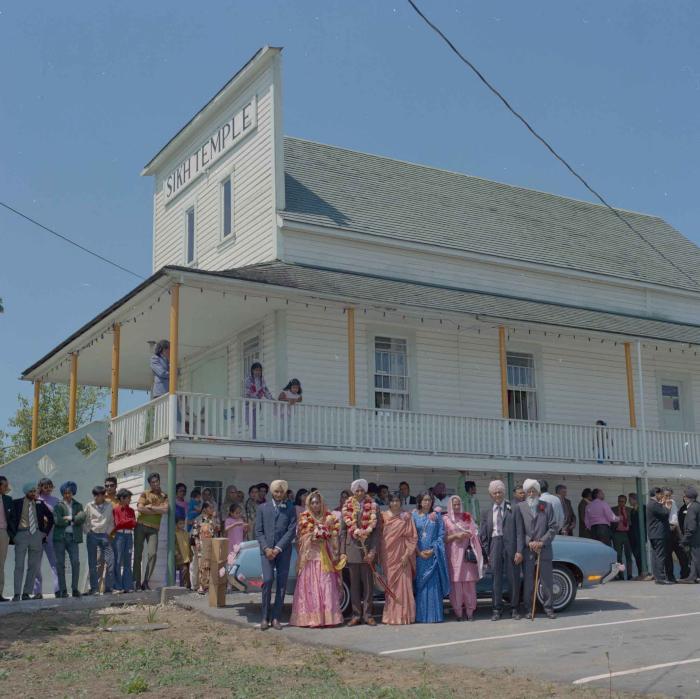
(536, 527)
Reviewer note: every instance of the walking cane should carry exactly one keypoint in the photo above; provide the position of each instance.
(537, 584)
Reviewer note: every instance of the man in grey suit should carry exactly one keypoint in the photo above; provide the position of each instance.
(275, 526)
(536, 527)
(498, 536)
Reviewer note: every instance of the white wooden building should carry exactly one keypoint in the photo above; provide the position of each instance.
(438, 322)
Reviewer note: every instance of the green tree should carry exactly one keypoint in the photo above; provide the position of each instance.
(53, 417)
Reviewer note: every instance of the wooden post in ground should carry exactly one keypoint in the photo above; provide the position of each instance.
(218, 582)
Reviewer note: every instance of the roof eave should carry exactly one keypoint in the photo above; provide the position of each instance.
(256, 63)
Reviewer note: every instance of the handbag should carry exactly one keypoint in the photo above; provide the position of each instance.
(470, 555)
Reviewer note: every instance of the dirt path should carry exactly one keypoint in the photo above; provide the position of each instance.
(70, 654)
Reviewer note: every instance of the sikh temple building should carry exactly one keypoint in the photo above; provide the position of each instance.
(437, 322)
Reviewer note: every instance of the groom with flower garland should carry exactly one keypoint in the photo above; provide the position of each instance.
(359, 544)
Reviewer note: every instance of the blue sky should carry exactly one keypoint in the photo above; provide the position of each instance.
(90, 91)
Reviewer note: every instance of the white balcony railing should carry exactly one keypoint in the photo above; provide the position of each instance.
(206, 417)
(140, 427)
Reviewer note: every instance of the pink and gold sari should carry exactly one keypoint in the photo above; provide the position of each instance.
(397, 557)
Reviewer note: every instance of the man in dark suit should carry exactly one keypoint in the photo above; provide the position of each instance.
(358, 541)
(536, 527)
(659, 534)
(405, 492)
(5, 533)
(498, 542)
(637, 539)
(30, 523)
(569, 516)
(691, 533)
(275, 526)
(586, 498)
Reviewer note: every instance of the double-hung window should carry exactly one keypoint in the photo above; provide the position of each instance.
(522, 387)
(227, 208)
(189, 236)
(391, 377)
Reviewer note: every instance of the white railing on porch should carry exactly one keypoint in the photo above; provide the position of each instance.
(200, 416)
(140, 427)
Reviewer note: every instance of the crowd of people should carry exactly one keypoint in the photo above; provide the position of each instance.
(418, 549)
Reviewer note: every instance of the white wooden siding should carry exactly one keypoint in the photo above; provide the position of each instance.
(373, 258)
(253, 197)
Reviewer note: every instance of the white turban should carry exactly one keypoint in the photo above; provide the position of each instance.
(496, 485)
(279, 484)
(531, 483)
(356, 485)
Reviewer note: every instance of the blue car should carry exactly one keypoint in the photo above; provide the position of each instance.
(577, 563)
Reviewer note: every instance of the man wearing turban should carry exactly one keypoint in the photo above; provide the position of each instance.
(691, 533)
(30, 523)
(358, 541)
(498, 537)
(536, 527)
(275, 526)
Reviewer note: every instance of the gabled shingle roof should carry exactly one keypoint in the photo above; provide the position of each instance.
(387, 292)
(377, 196)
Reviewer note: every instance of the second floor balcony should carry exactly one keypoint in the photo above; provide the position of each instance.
(201, 418)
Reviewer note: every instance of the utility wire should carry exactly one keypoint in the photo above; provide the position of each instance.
(71, 242)
(543, 141)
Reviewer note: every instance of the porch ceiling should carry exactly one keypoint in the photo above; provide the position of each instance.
(207, 318)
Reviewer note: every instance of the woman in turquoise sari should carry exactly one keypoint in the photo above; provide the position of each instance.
(432, 581)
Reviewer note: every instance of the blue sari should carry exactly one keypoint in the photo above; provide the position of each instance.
(432, 583)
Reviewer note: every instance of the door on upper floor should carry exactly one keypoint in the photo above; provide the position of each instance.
(674, 405)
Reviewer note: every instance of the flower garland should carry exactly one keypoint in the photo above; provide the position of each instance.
(321, 529)
(368, 517)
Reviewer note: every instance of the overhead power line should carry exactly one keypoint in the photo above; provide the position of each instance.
(543, 141)
(70, 242)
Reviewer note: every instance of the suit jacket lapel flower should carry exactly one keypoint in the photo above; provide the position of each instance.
(541, 507)
(508, 507)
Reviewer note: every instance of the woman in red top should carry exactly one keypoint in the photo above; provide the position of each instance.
(123, 542)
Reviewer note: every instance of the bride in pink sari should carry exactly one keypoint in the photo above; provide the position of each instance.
(317, 591)
(397, 557)
(465, 560)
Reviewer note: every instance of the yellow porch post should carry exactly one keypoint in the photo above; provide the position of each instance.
(116, 338)
(504, 370)
(630, 384)
(73, 392)
(351, 356)
(35, 415)
(174, 332)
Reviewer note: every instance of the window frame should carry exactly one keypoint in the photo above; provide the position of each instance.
(190, 207)
(535, 391)
(223, 236)
(392, 333)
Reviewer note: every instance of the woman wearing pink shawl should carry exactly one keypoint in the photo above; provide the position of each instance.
(464, 558)
(397, 557)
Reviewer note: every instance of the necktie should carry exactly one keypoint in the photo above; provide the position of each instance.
(32, 518)
(499, 520)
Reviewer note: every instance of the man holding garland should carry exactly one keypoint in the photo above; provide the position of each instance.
(359, 544)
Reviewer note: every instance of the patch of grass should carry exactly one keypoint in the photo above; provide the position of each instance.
(136, 685)
(4, 674)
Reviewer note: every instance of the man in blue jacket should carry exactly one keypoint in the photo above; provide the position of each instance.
(275, 527)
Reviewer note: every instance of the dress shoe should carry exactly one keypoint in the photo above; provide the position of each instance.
(370, 621)
(4, 599)
(354, 621)
(39, 596)
(551, 615)
(264, 625)
(470, 618)
(688, 581)
(664, 582)
(75, 594)
(515, 615)
(276, 625)
(496, 616)
(25, 596)
(15, 598)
